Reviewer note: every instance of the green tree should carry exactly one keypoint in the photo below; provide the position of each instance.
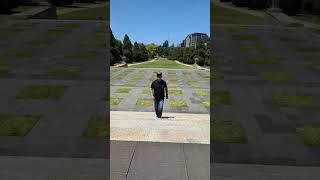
(144, 52)
(127, 49)
(115, 54)
(152, 49)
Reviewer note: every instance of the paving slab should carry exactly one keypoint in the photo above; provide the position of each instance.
(173, 127)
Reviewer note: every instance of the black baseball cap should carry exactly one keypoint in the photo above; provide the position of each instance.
(159, 73)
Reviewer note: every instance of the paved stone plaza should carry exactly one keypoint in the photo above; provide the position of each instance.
(53, 70)
(270, 73)
(189, 87)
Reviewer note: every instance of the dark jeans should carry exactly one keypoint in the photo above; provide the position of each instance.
(158, 106)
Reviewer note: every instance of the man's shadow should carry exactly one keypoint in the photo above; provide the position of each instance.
(167, 117)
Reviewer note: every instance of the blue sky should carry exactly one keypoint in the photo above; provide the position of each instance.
(155, 21)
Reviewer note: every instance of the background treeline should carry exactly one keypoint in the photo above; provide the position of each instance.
(139, 52)
(7, 5)
(290, 7)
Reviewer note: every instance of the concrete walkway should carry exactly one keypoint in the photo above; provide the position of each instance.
(173, 127)
(41, 168)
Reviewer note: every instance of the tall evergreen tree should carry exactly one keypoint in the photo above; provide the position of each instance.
(115, 54)
(127, 49)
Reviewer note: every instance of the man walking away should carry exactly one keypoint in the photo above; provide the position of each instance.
(159, 90)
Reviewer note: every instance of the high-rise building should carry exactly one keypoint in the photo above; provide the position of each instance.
(193, 39)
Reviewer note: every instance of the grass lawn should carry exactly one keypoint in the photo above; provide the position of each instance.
(244, 37)
(308, 50)
(115, 101)
(96, 13)
(144, 102)
(196, 86)
(228, 132)
(14, 53)
(64, 71)
(69, 25)
(97, 128)
(146, 91)
(220, 15)
(291, 39)
(262, 60)
(161, 63)
(58, 32)
(296, 100)
(315, 62)
(251, 47)
(175, 92)
(275, 76)
(41, 42)
(202, 93)
(178, 103)
(206, 104)
(221, 97)
(42, 92)
(94, 43)
(173, 85)
(6, 68)
(82, 55)
(123, 90)
(16, 125)
(217, 74)
(310, 134)
(130, 84)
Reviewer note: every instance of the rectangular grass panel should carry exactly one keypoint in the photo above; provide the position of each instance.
(146, 91)
(17, 125)
(206, 104)
(308, 50)
(178, 103)
(275, 76)
(296, 100)
(115, 100)
(175, 92)
(228, 132)
(58, 32)
(97, 128)
(217, 74)
(42, 92)
(144, 102)
(130, 84)
(221, 97)
(172, 85)
(14, 53)
(244, 37)
(251, 47)
(82, 55)
(196, 86)
(123, 90)
(64, 71)
(41, 42)
(161, 63)
(6, 68)
(310, 134)
(261, 60)
(201, 93)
